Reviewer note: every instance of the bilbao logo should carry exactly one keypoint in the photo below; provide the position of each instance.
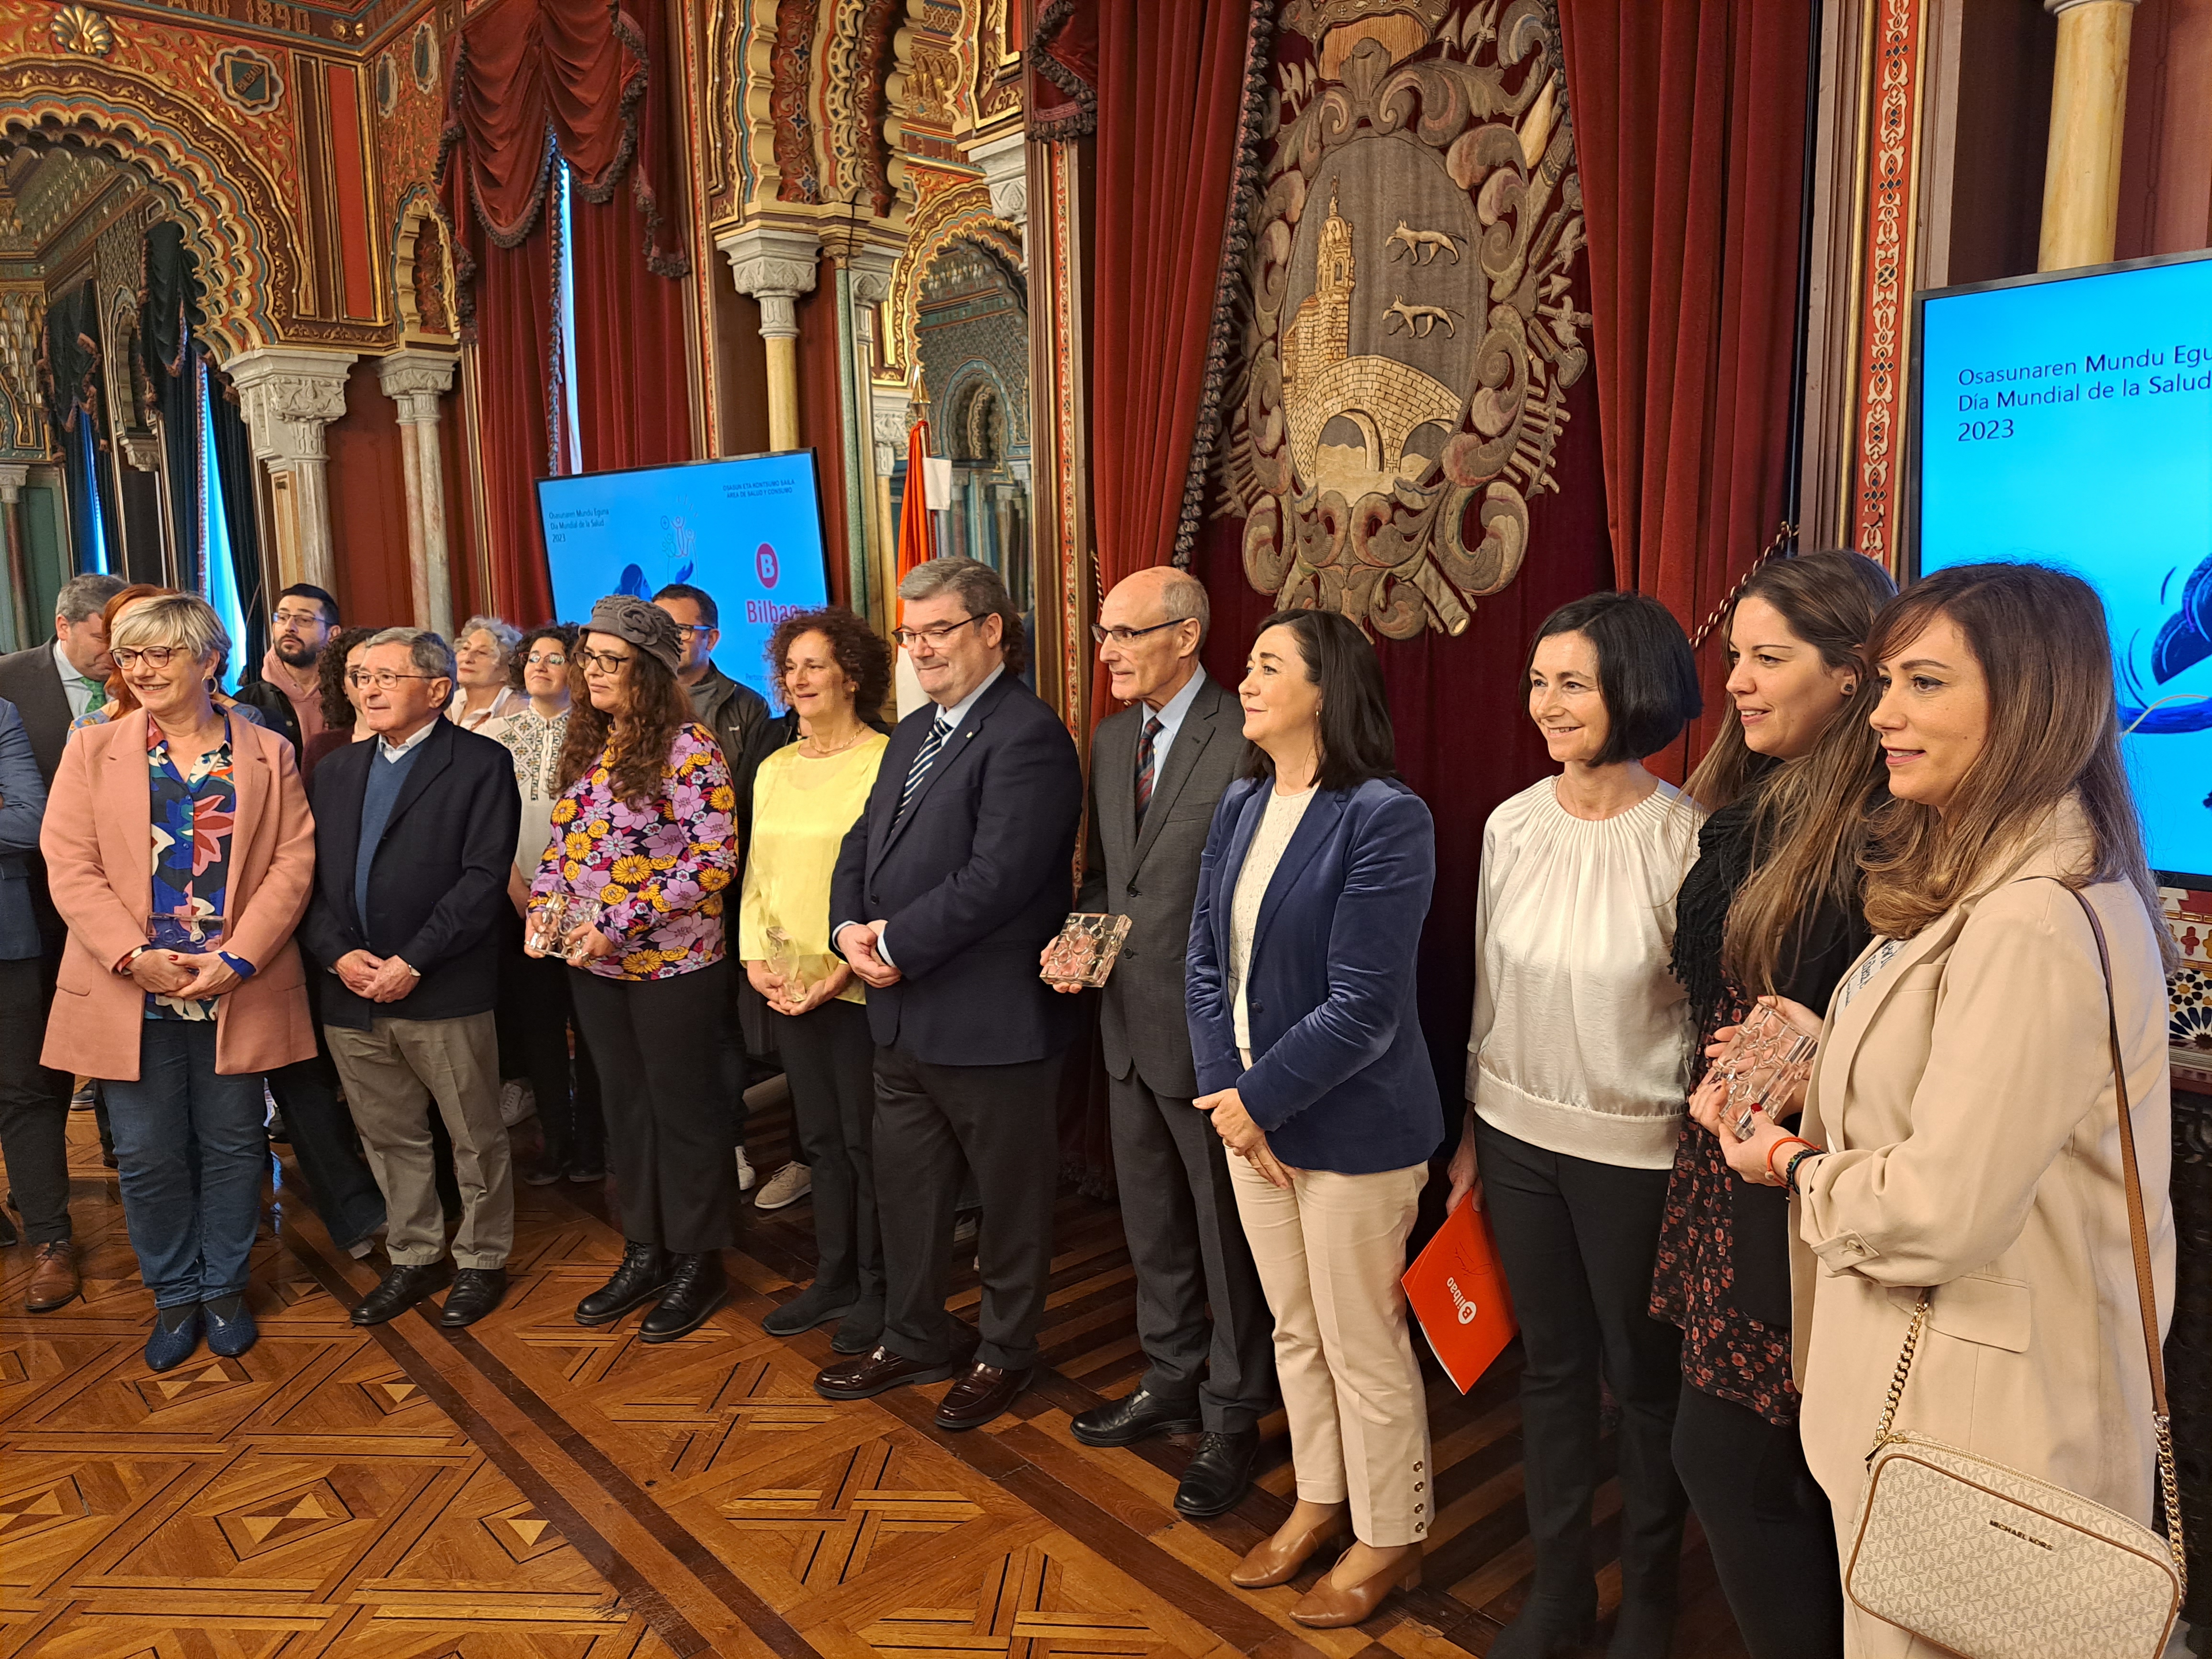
(765, 564)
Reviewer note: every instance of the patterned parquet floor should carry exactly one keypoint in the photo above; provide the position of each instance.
(529, 1487)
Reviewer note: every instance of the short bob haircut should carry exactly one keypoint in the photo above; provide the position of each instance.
(181, 620)
(1357, 741)
(564, 635)
(858, 649)
(1645, 672)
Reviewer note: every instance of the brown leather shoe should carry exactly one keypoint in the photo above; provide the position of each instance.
(1327, 1607)
(1271, 1562)
(53, 1280)
(980, 1396)
(877, 1371)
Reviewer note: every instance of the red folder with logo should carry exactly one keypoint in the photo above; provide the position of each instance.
(1458, 1291)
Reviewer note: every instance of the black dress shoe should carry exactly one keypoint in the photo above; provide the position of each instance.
(476, 1292)
(643, 1276)
(877, 1371)
(397, 1291)
(860, 1329)
(697, 1288)
(1143, 1414)
(982, 1394)
(1218, 1475)
(1547, 1624)
(818, 1304)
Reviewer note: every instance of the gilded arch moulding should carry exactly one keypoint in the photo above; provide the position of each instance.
(230, 206)
(961, 210)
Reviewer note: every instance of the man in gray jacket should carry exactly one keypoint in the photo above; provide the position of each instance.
(1158, 768)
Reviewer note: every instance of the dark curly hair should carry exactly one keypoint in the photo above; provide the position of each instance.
(338, 712)
(639, 743)
(858, 649)
(565, 634)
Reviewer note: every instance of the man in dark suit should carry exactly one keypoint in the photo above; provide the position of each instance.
(49, 685)
(1158, 768)
(946, 890)
(413, 834)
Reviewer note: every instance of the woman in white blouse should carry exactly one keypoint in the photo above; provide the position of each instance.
(1578, 1068)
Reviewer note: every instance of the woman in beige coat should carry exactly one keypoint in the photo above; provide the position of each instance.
(1961, 1131)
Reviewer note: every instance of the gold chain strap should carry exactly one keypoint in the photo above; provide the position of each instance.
(1882, 1436)
(2170, 1490)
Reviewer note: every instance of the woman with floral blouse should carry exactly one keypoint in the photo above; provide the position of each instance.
(643, 850)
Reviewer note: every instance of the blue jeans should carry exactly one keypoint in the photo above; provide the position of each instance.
(193, 1156)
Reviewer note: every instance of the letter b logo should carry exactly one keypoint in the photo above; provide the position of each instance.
(764, 563)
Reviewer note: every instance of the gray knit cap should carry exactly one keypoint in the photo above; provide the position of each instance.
(647, 627)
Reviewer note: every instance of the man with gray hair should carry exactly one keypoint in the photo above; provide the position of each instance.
(52, 684)
(957, 874)
(414, 833)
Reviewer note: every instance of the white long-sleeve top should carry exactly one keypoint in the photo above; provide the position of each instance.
(1582, 1041)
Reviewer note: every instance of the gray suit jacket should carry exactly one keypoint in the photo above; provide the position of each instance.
(29, 680)
(1152, 877)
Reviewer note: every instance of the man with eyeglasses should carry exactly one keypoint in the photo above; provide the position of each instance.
(285, 687)
(946, 892)
(415, 831)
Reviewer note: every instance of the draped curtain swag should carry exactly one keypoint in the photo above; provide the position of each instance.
(1063, 54)
(71, 380)
(168, 305)
(1689, 128)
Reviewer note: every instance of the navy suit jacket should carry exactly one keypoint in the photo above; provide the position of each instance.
(437, 888)
(972, 883)
(1340, 1077)
(23, 809)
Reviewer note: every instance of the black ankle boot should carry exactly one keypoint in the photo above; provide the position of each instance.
(695, 1290)
(644, 1271)
(1547, 1623)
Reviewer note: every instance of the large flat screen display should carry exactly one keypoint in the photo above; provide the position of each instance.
(2067, 419)
(747, 529)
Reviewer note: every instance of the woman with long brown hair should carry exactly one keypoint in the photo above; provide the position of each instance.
(1959, 1148)
(1771, 906)
(642, 849)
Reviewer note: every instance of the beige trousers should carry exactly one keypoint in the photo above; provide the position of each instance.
(392, 1072)
(1329, 1253)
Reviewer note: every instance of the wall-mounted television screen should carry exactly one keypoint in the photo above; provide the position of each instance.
(2067, 419)
(747, 529)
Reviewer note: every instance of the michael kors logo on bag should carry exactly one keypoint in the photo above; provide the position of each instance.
(2024, 1537)
(1461, 1300)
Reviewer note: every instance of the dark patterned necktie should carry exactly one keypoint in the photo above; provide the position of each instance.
(939, 729)
(1145, 763)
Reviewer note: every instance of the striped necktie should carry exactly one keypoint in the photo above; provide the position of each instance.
(1145, 763)
(939, 729)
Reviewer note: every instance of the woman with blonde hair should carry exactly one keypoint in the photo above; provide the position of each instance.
(1960, 1145)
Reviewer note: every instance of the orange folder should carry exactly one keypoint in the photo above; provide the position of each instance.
(1458, 1291)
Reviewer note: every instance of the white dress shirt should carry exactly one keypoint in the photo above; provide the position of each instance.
(393, 751)
(1171, 714)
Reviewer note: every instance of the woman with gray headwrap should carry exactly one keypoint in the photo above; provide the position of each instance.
(643, 849)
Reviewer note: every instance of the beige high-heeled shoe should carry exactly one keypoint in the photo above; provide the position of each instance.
(1271, 1562)
(1327, 1607)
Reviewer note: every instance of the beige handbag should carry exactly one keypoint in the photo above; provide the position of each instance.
(1991, 1564)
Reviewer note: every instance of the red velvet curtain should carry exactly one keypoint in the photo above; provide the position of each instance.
(1689, 128)
(632, 387)
(514, 343)
(1170, 91)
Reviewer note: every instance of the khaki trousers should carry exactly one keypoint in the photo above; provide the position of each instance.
(392, 1072)
(1330, 1252)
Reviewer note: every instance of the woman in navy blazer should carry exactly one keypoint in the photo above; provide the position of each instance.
(1311, 894)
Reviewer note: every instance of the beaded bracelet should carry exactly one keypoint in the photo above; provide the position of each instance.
(1773, 1174)
(1789, 1169)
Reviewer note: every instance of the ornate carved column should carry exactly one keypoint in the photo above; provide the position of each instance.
(868, 285)
(1005, 165)
(415, 379)
(287, 395)
(2089, 99)
(18, 632)
(775, 267)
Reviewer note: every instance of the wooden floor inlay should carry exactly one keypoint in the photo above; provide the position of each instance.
(532, 1489)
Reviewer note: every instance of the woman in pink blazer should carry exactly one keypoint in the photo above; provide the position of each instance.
(180, 852)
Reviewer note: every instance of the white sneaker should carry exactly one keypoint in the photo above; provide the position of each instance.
(785, 1187)
(745, 1171)
(517, 1101)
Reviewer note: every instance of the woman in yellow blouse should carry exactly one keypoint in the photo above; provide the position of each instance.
(834, 672)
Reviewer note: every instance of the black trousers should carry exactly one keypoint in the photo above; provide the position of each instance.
(324, 1142)
(667, 1130)
(1576, 1240)
(1770, 1526)
(1188, 1245)
(830, 1059)
(1001, 1119)
(534, 991)
(35, 1102)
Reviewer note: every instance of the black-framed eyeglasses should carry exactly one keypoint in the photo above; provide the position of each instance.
(911, 637)
(382, 679)
(607, 660)
(1123, 635)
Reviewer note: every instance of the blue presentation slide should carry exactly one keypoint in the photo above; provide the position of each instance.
(2070, 422)
(748, 529)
